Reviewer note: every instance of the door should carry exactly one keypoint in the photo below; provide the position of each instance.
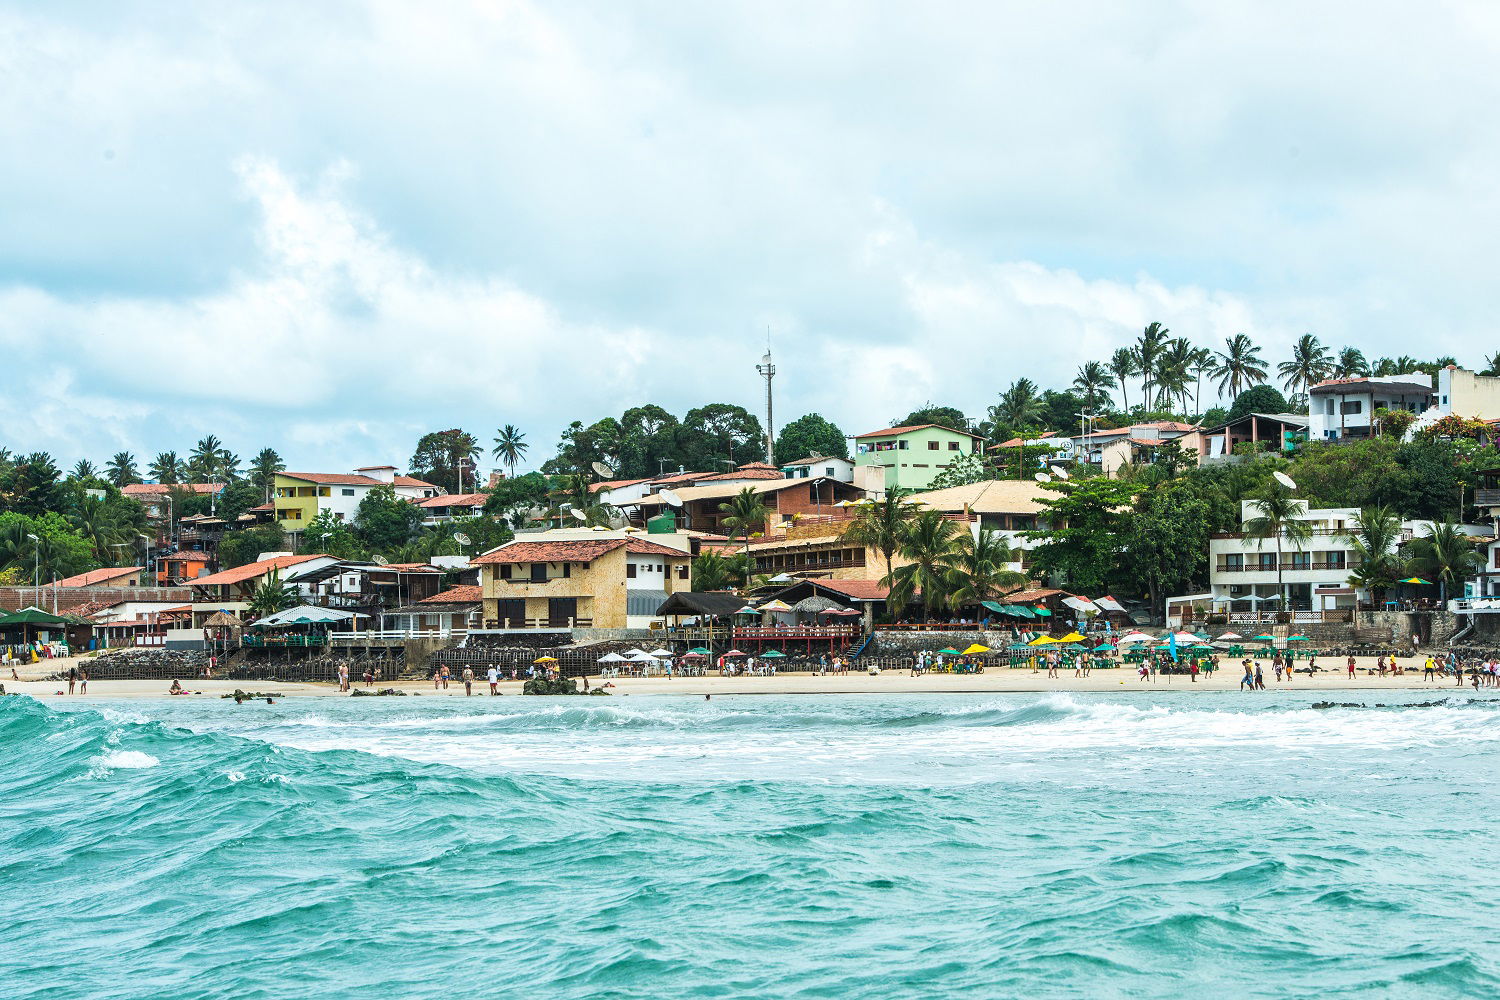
(561, 611)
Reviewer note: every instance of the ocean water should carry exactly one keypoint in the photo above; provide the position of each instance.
(1141, 845)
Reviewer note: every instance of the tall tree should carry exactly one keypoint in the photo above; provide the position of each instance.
(930, 413)
(1373, 545)
(1308, 365)
(745, 513)
(1351, 363)
(263, 469)
(1081, 531)
(720, 434)
(207, 459)
(1280, 516)
(1123, 366)
(446, 459)
(1174, 373)
(167, 468)
(882, 524)
(1238, 366)
(1446, 553)
(121, 469)
(272, 595)
(510, 447)
(976, 569)
(811, 436)
(84, 470)
(1148, 350)
(1093, 383)
(1019, 406)
(928, 546)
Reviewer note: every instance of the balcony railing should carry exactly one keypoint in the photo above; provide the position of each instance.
(1316, 532)
(1285, 567)
(1487, 498)
(520, 623)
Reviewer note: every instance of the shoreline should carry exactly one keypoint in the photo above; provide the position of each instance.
(996, 681)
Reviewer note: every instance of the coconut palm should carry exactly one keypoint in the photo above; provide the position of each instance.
(510, 447)
(96, 524)
(1148, 349)
(1373, 543)
(975, 569)
(1122, 366)
(1447, 554)
(1351, 363)
(1203, 364)
(263, 469)
(882, 525)
(743, 514)
(272, 596)
(1238, 366)
(121, 469)
(1279, 516)
(1020, 405)
(929, 544)
(1310, 364)
(711, 571)
(1174, 373)
(1093, 383)
(167, 468)
(205, 458)
(84, 470)
(1492, 365)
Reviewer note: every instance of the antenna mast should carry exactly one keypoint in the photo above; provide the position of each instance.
(768, 372)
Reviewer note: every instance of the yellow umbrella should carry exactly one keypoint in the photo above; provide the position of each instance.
(1042, 641)
(776, 606)
(1071, 637)
(545, 659)
(976, 648)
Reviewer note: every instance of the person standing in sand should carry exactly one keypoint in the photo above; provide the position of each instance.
(493, 676)
(1351, 668)
(83, 681)
(468, 681)
(343, 676)
(72, 678)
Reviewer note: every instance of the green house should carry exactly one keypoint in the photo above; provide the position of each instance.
(912, 457)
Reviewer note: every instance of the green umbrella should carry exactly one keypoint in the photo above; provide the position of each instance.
(951, 650)
(1263, 638)
(1103, 647)
(701, 651)
(772, 654)
(1416, 579)
(1298, 638)
(32, 616)
(1043, 612)
(1019, 647)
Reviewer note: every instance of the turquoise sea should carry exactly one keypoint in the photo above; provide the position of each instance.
(975, 846)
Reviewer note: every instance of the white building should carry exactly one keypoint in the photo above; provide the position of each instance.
(820, 465)
(1345, 408)
(1008, 507)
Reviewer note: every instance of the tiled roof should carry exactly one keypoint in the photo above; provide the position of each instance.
(615, 484)
(375, 468)
(1040, 594)
(455, 500)
(464, 593)
(1376, 384)
(893, 431)
(745, 472)
(680, 477)
(98, 576)
(261, 506)
(186, 555)
(333, 478)
(641, 547)
(859, 590)
(409, 481)
(814, 460)
(161, 489)
(1015, 442)
(994, 496)
(580, 550)
(250, 571)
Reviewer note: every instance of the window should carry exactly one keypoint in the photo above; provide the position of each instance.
(902, 444)
(630, 571)
(348, 492)
(1328, 407)
(505, 571)
(1234, 562)
(1301, 560)
(323, 491)
(1268, 560)
(567, 570)
(1336, 560)
(933, 445)
(952, 445)
(1352, 406)
(682, 572)
(538, 572)
(828, 472)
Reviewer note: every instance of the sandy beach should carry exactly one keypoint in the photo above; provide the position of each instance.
(888, 682)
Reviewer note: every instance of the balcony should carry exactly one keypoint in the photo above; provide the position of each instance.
(1487, 498)
(1287, 567)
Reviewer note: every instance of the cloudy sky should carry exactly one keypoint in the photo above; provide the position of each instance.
(331, 227)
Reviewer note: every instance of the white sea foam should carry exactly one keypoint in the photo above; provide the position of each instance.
(112, 760)
(234, 776)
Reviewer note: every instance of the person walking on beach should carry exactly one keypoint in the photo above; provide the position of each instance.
(1193, 671)
(72, 678)
(1247, 681)
(435, 680)
(446, 673)
(1260, 678)
(343, 676)
(468, 681)
(83, 681)
(493, 676)
(1429, 669)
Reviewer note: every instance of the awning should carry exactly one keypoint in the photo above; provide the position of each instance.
(307, 614)
(1041, 612)
(1080, 604)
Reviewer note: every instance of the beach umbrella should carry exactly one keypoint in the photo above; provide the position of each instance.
(1042, 640)
(661, 652)
(1018, 647)
(692, 656)
(1043, 612)
(773, 654)
(638, 651)
(638, 656)
(1227, 636)
(1201, 633)
(1417, 580)
(951, 651)
(1186, 637)
(734, 652)
(1134, 637)
(701, 651)
(1071, 637)
(1263, 638)
(1298, 638)
(1104, 647)
(612, 658)
(545, 659)
(747, 610)
(976, 648)
(776, 606)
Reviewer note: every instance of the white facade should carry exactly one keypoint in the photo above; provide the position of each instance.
(828, 468)
(1345, 408)
(1242, 571)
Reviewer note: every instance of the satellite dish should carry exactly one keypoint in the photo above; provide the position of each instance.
(580, 515)
(1060, 472)
(380, 560)
(670, 499)
(1042, 477)
(604, 470)
(1285, 480)
(462, 538)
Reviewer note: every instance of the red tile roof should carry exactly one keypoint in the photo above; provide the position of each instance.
(462, 594)
(859, 590)
(409, 481)
(1016, 442)
(679, 477)
(161, 489)
(333, 478)
(186, 555)
(98, 576)
(745, 472)
(893, 431)
(455, 500)
(614, 484)
(641, 547)
(250, 571)
(572, 550)
(407, 568)
(262, 506)
(375, 468)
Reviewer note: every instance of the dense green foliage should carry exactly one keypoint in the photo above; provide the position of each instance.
(810, 436)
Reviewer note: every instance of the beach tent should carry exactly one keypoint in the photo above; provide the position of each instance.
(1227, 636)
(773, 654)
(222, 619)
(976, 648)
(612, 658)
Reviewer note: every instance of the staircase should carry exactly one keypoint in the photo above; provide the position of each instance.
(857, 651)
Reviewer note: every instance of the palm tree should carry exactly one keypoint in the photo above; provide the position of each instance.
(1148, 350)
(1373, 543)
(1122, 366)
(1093, 383)
(1019, 405)
(1310, 364)
(929, 544)
(263, 469)
(711, 571)
(272, 596)
(210, 460)
(1279, 516)
(1492, 365)
(1203, 364)
(882, 525)
(510, 447)
(976, 571)
(1173, 372)
(1238, 366)
(84, 470)
(121, 469)
(1351, 363)
(97, 525)
(166, 468)
(744, 512)
(1446, 553)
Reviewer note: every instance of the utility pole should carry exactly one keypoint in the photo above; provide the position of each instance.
(768, 372)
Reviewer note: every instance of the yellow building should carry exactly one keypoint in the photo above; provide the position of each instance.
(300, 496)
(561, 582)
